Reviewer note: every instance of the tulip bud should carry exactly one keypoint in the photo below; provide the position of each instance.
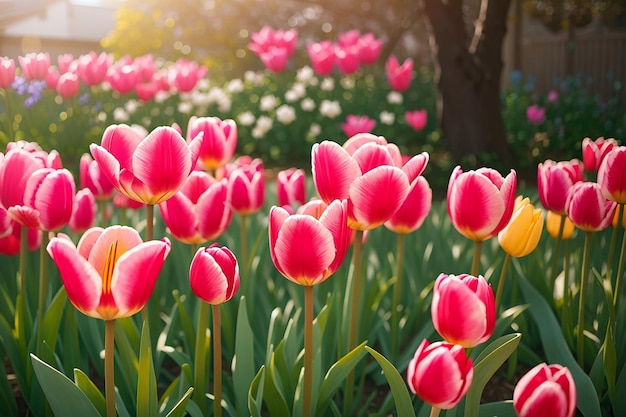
(588, 208)
(594, 152)
(546, 390)
(214, 274)
(612, 175)
(521, 236)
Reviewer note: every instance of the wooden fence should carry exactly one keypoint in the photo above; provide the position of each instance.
(599, 59)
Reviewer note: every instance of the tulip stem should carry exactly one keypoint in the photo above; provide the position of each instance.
(622, 257)
(434, 411)
(7, 104)
(308, 351)
(199, 362)
(145, 317)
(557, 251)
(43, 290)
(244, 243)
(581, 301)
(102, 207)
(354, 311)
(476, 261)
(109, 369)
(396, 296)
(217, 361)
(23, 250)
(500, 290)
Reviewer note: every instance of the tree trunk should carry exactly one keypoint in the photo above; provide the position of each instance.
(468, 76)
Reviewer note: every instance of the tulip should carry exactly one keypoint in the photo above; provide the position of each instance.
(357, 124)
(612, 175)
(349, 38)
(123, 77)
(588, 208)
(616, 218)
(214, 274)
(198, 212)
(440, 374)
(52, 78)
(553, 96)
(417, 119)
(275, 59)
(66, 63)
(7, 72)
(554, 180)
(553, 224)
(148, 170)
(369, 48)
(268, 37)
(184, 74)
(6, 226)
(521, 235)
(35, 65)
(68, 85)
(83, 212)
(594, 152)
(545, 390)
(123, 202)
(92, 177)
(347, 58)
(463, 309)
(322, 56)
(290, 187)
(10, 244)
(399, 76)
(535, 115)
(92, 68)
(219, 142)
(246, 187)
(15, 170)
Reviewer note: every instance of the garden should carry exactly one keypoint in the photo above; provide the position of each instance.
(300, 242)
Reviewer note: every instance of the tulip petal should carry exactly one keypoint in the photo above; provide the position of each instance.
(333, 171)
(26, 216)
(414, 210)
(15, 170)
(179, 216)
(126, 238)
(213, 211)
(445, 393)
(335, 219)
(121, 141)
(548, 400)
(416, 166)
(52, 192)
(277, 218)
(207, 279)
(109, 166)
(372, 155)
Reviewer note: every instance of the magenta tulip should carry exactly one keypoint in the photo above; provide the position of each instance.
(246, 186)
(10, 244)
(357, 124)
(347, 58)
(111, 273)
(15, 170)
(463, 309)
(306, 250)
(480, 203)
(68, 85)
(399, 76)
(554, 180)
(92, 177)
(612, 175)
(440, 374)
(594, 152)
(184, 74)
(588, 208)
(417, 119)
(369, 48)
(219, 142)
(123, 76)
(84, 211)
(322, 56)
(214, 274)
(7, 72)
(545, 390)
(536, 115)
(148, 170)
(291, 187)
(92, 68)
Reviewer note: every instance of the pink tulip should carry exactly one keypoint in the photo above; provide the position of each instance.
(535, 114)
(480, 203)
(267, 37)
(92, 177)
(111, 273)
(357, 124)
(7, 72)
(6, 224)
(92, 68)
(349, 38)
(214, 274)
(594, 152)
(50, 159)
(145, 66)
(151, 169)
(417, 119)
(185, 74)
(83, 212)
(463, 309)
(322, 56)
(10, 244)
(306, 250)
(545, 390)
(199, 211)
(587, 207)
(146, 90)
(347, 58)
(246, 187)
(399, 76)
(219, 142)
(275, 59)
(612, 175)
(123, 202)
(291, 187)
(68, 85)
(35, 65)
(66, 63)
(15, 170)
(123, 77)
(413, 211)
(554, 180)
(52, 78)
(369, 48)
(440, 374)
(48, 200)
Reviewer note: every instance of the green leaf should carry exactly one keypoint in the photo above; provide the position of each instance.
(243, 362)
(255, 394)
(485, 366)
(336, 375)
(188, 327)
(180, 409)
(401, 397)
(65, 398)
(272, 391)
(147, 400)
(52, 318)
(7, 399)
(556, 348)
(619, 404)
(500, 409)
(92, 392)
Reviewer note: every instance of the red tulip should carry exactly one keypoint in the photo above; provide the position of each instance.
(399, 76)
(92, 177)
(290, 187)
(84, 211)
(199, 211)
(612, 175)
(357, 124)
(440, 374)
(554, 180)
(306, 250)
(481, 202)
(111, 273)
(214, 274)
(545, 390)
(246, 187)
(322, 56)
(7, 72)
(68, 85)
(219, 142)
(149, 170)
(463, 309)
(10, 244)
(35, 65)
(594, 152)
(417, 119)
(587, 207)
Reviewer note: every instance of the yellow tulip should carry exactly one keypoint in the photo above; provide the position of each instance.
(616, 216)
(521, 236)
(553, 222)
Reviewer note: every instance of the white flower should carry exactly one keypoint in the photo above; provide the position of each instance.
(305, 74)
(291, 96)
(347, 83)
(387, 118)
(224, 104)
(315, 129)
(203, 84)
(102, 116)
(330, 108)
(328, 84)
(268, 103)
(285, 114)
(120, 115)
(296, 92)
(200, 99)
(131, 106)
(255, 78)
(394, 97)
(263, 125)
(246, 118)
(161, 96)
(307, 104)
(235, 86)
(184, 107)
